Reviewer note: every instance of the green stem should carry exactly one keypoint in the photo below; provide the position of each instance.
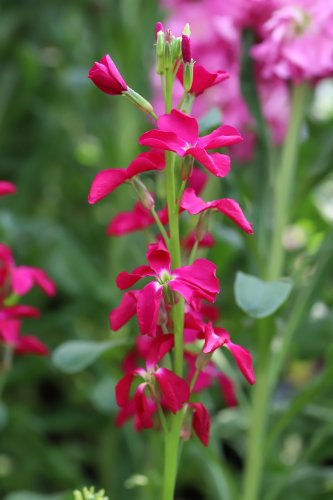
(285, 180)
(172, 437)
(5, 366)
(160, 226)
(262, 391)
(193, 252)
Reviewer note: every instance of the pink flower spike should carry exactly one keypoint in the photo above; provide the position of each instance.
(24, 278)
(6, 188)
(175, 391)
(202, 78)
(201, 422)
(179, 132)
(125, 311)
(106, 77)
(195, 205)
(108, 180)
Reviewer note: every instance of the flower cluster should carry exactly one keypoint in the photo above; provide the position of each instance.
(172, 359)
(293, 43)
(16, 281)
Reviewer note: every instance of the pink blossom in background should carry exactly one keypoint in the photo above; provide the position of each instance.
(6, 188)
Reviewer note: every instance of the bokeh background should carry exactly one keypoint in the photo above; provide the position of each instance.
(57, 131)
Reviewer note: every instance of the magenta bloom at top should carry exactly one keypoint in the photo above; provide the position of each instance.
(202, 78)
(179, 132)
(106, 77)
(7, 187)
(197, 281)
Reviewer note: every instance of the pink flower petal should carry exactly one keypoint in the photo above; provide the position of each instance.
(7, 187)
(202, 78)
(143, 410)
(159, 347)
(195, 205)
(31, 345)
(228, 390)
(214, 339)
(175, 390)
(216, 163)
(201, 277)
(24, 278)
(198, 180)
(10, 331)
(167, 141)
(123, 388)
(221, 137)
(20, 311)
(105, 182)
(126, 280)
(135, 220)
(148, 306)
(181, 124)
(243, 359)
(158, 257)
(125, 311)
(201, 422)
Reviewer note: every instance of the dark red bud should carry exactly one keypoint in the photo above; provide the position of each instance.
(159, 27)
(186, 49)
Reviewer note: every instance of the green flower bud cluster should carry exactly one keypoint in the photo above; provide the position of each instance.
(168, 51)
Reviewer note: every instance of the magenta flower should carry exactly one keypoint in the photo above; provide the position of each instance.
(27, 344)
(106, 76)
(206, 242)
(202, 78)
(194, 282)
(195, 205)
(7, 187)
(125, 311)
(179, 132)
(218, 337)
(164, 385)
(108, 180)
(135, 220)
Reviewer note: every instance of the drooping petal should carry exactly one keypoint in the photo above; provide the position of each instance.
(6, 188)
(195, 205)
(24, 278)
(202, 78)
(145, 162)
(10, 331)
(217, 163)
(105, 182)
(126, 280)
(175, 390)
(125, 311)
(158, 257)
(20, 311)
(243, 359)
(201, 422)
(123, 388)
(221, 137)
(167, 141)
(148, 306)
(30, 345)
(159, 347)
(184, 126)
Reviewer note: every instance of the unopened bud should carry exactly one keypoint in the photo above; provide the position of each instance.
(160, 44)
(176, 48)
(139, 101)
(202, 226)
(167, 56)
(186, 49)
(187, 30)
(188, 76)
(158, 28)
(202, 360)
(187, 167)
(144, 195)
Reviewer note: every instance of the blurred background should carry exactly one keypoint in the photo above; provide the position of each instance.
(57, 131)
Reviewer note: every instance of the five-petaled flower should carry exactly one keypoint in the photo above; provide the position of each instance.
(179, 132)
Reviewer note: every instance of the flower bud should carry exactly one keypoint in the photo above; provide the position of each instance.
(187, 30)
(176, 48)
(139, 101)
(187, 167)
(188, 76)
(158, 28)
(202, 360)
(144, 195)
(167, 56)
(160, 53)
(186, 49)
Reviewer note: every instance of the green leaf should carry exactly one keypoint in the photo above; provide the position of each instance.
(260, 298)
(103, 397)
(76, 355)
